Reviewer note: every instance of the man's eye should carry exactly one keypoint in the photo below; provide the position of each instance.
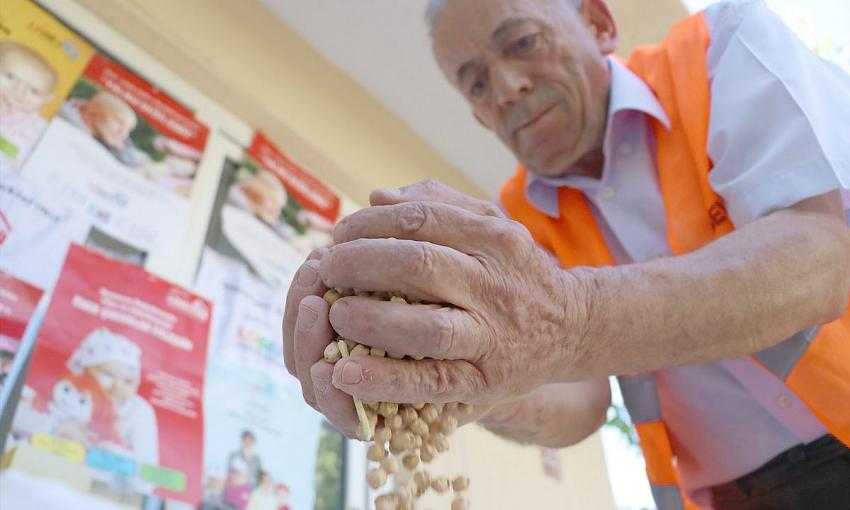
(524, 44)
(477, 88)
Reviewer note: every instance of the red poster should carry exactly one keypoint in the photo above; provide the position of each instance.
(18, 301)
(165, 114)
(309, 191)
(116, 380)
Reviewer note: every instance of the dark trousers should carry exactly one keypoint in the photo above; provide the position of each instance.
(814, 476)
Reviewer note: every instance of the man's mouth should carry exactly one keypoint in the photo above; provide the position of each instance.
(534, 118)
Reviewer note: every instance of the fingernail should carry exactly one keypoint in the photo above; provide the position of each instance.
(306, 317)
(392, 191)
(308, 274)
(351, 373)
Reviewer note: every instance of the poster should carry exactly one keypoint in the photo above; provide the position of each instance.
(115, 383)
(122, 155)
(269, 214)
(36, 227)
(149, 134)
(40, 60)
(18, 302)
(261, 439)
(262, 447)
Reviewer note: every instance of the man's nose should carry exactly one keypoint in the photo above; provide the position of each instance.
(510, 84)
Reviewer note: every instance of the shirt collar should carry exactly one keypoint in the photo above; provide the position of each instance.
(628, 93)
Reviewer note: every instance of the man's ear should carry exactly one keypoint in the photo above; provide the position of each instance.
(597, 16)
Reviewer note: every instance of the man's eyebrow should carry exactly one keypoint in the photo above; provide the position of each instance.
(497, 38)
(505, 27)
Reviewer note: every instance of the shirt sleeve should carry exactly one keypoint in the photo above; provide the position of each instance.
(780, 115)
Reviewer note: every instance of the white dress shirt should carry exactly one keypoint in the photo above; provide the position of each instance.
(779, 133)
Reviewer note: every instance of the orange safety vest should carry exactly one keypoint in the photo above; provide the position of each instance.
(814, 364)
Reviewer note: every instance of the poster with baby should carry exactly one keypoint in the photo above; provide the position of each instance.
(18, 302)
(114, 388)
(149, 133)
(123, 155)
(40, 60)
(269, 213)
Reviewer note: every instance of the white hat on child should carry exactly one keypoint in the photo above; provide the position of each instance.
(102, 346)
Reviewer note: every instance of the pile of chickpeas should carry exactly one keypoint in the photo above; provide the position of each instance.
(402, 435)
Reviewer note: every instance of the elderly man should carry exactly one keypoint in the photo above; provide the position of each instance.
(678, 223)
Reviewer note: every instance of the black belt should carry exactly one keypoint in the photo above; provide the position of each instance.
(783, 468)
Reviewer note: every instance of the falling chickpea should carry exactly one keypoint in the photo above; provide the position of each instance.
(440, 484)
(377, 478)
(414, 433)
(460, 483)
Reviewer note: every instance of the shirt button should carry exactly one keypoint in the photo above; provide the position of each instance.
(607, 193)
(783, 401)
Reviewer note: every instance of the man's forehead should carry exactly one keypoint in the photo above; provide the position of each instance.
(465, 27)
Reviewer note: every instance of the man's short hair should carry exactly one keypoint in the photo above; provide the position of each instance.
(247, 433)
(435, 7)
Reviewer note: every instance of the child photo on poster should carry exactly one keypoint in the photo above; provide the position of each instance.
(269, 213)
(148, 132)
(115, 382)
(40, 59)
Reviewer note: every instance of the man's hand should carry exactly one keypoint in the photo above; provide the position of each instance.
(499, 314)
(306, 333)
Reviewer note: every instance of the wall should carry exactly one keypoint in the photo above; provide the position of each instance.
(643, 22)
(239, 55)
(507, 476)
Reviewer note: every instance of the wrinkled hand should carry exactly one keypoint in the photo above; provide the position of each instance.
(504, 325)
(307, 330)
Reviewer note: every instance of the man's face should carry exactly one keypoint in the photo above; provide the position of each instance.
(25, 84)
(118, 380)
(534, 73)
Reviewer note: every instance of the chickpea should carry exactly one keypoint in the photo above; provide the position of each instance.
(359, 350)
(427, 453)
(331, 296)
(401, 442)
(377, 478)
(460, 503)
(388, 409)
(410, 461)
(460, 483)
(376, 452)
(408, 414)
(383, 434)
(439, 442)
(386, 502)
(395, 422)
(332, 354)
(390, 465)
(448, 424)
(429, 414)
(419, 427)
(440, 484)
